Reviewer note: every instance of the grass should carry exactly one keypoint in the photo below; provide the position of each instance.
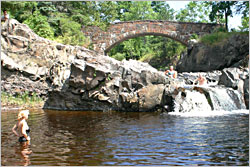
(23, 100)
(218, 37)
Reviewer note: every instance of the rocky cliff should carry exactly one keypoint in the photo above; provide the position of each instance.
(75, 78)
(232, 52)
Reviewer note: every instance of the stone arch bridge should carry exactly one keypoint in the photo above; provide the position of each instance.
(116, 33)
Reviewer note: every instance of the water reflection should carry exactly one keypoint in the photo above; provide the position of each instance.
(96, 138)
(25, 151)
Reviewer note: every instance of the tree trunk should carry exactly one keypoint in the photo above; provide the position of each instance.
(226, 17)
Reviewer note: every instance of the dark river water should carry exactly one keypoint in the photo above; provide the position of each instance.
(61, 138)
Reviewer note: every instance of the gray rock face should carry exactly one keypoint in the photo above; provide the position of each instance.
(75, 78)
(246, 92)
(202, 58)
(189, 77)
(30, 63)
(102, 83)
(238, 80)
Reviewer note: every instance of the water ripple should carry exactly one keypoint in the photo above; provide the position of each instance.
(96, 138)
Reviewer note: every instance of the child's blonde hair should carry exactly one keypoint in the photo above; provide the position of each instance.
(22, 114)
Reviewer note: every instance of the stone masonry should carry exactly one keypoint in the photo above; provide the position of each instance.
(116, 33)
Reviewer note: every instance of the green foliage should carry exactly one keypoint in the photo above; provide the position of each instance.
(71, 32)
(148, 57)
(46, 8)
(194, 36)
(217, 37)
(19, 10)
(221, 9)
(220, 29)
(119, 56)
(23, 99)
(109, 77)
(138, 10)
(162, 10)
(243, 8)
(39, 24)
(194, 12)
(245, 24)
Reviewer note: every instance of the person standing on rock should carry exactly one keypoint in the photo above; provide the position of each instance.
(5, 16)
(202, 80)
(171, 73)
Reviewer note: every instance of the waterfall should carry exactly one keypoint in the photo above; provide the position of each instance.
(191, 100)
(204, 99)
(226, 99)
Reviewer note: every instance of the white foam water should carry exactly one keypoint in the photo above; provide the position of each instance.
(193, 101)
(209, 113)
(208, 101)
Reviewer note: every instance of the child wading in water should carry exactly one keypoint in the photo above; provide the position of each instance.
(21, 129)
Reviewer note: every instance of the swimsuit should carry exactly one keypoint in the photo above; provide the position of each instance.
(23, 139)
(171, 73)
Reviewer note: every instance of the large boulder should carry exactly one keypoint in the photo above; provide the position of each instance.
(246, 92)
(237, 79)
(150, 97)
(103, 83)
(203, 57)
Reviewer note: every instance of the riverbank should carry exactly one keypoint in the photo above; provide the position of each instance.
(21, 101)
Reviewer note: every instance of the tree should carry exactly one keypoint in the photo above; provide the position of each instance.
(139, 10)
(46, 8)
(19, 10)
(194, 11)
(123, 7)
(163, 10)
(40, 25)
(71, 32)
(220, 9)
(243, 8)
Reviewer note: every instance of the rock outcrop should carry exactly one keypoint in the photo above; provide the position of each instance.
(31, 63)
(75, 78)
(202, 57)
(102, 83)
(238, 79)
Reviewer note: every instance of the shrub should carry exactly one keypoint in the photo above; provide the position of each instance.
(22, 99)
(71, 33)
(39, 24)
(215, 38)
(119, 56)
(194, 36)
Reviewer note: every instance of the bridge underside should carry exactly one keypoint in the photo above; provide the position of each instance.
(108, 48)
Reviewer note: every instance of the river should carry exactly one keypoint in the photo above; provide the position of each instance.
(72, 138)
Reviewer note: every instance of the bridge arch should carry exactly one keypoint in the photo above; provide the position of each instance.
(108, 48)
(116, 33)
